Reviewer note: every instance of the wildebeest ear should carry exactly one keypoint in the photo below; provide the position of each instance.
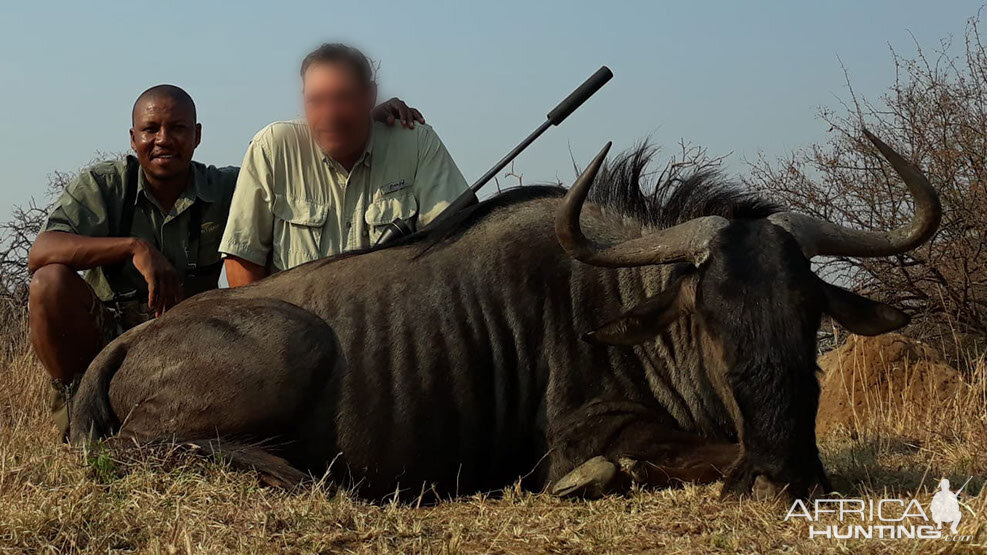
(646, 320)
(859, 315)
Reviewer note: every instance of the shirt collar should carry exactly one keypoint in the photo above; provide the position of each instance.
(199, 188)
(364, 159)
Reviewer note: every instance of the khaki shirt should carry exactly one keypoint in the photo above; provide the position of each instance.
(293, 204)
(93, 205)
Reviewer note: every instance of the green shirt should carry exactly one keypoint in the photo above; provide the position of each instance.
(93, 205)
(293, 204)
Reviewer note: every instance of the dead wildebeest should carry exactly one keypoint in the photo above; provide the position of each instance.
(460, 358)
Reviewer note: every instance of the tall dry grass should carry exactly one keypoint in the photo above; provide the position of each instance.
(57, 499)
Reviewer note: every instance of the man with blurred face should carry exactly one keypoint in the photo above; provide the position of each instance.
(331, 183)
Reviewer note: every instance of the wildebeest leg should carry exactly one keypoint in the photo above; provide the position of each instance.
(697, 461)
(745, 478)
(271, 469)
(605, 446)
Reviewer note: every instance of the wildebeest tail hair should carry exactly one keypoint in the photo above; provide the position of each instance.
(273, 470)
(90, 415)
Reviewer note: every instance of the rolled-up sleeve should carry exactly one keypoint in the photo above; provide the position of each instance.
(250, 226)
(438, 181)
(81, 209)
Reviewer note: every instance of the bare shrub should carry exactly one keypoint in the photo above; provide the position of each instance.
(18, 233)
(935, 113)
(16, 237)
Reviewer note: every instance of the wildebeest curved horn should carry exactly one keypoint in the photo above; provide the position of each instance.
(821, 238)
(685, 241)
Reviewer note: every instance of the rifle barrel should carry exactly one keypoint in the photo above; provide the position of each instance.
(558, 114)
(479, 183)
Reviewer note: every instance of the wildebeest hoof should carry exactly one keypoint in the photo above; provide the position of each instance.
(634, 469)
(739, 481)
(743, 481)
(589, 480)
(766, 490)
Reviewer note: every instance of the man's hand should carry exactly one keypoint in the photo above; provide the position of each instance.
(395, 109)
(164, 289)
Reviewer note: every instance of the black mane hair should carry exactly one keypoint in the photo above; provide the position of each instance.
(621, 188)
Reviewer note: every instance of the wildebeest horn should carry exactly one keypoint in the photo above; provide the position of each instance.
(821, 238)
(686, 241)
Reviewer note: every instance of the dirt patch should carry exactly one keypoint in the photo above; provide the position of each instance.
(873, 378)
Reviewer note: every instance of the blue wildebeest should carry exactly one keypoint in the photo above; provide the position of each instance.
(677, 344)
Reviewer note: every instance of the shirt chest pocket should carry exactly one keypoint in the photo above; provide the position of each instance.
(298, 228)
(210, 234)
(397, 206)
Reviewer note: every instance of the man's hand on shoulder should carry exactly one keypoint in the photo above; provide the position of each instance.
(396, 109)
(164, 288)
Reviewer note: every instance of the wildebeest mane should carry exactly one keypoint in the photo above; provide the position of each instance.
(455, 225)
(622, 189)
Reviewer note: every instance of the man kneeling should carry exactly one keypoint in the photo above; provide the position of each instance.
(145, 230)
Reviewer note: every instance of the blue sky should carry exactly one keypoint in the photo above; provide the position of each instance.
(738, 77)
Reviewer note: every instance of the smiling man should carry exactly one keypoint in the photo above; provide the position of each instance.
(331, 183)
(144, 229)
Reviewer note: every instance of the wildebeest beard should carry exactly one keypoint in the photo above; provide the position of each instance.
(506, 345)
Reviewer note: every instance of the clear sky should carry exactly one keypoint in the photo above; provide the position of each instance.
(738, 77)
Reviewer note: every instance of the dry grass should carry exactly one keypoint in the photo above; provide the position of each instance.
(54, 498)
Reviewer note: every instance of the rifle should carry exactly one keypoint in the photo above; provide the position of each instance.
(401, 228)
(963, 486)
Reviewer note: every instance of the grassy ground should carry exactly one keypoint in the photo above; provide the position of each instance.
(56, 499)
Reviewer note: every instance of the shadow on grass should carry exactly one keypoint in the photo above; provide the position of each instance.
(895, 464)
